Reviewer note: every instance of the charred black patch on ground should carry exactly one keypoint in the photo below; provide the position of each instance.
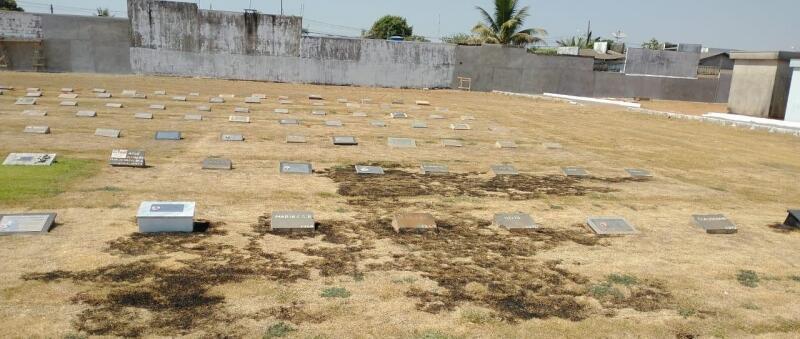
(782, 228)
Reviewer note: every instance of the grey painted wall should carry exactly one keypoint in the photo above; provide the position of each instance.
(642, 61)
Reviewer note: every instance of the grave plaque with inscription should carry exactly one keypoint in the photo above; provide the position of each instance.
(452, 143)
(34, 94)
(37, 129)
(793, 219)
(103, 95)
(68, 103)
(423, 103)
(34, 113)
(128, 93)
(203, 108)
(241, 110)
(107, 132)
(419, 124)
(402, 142)
(333, 123)
(217, 164)
(227, 96)
(26, 223)
(460, 127)
(29, 159)
(114, 105)
(161, 92)
(86, 114)
(377, 123)
(282, 111)
(252, 100)
(319, 113)
(67, 90)
(232, 137)
(413, 222)
(611, 226)
(398, 115)
(435, 117)
(158, 107)
(193, 117)
(434, 169)
(352, 105)
(507, 144)
(285, 102)
(295, 139)
(467, 118)
(359, 115)
(99, 90)
(143, 115)
(638, 173)
(292, 221)
(239, 118)
(369, 170)
(179, 98)
(168, 135)
(289, 122)
(162, 216)
(715, 224)
(127, 158)
(194, 94)
(295, 167)
(283, 97)
(216, 100)
(575, 172)
(504, 170)
(514, 221)
(318, 104)
(315, 97)
(345, 141)
(259, 95)
(68, 96)
(25, 101)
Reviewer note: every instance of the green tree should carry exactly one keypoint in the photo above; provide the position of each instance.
(652, 44)
(10, 5)
(504, 27)
(580, 41)
(462, 39)
(103, 12)
(389, 26)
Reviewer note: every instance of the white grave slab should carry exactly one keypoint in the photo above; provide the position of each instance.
(345, 141)
(160, 92)
(467, 118)
(295, 139)
(376, 170)
(143, 115)
(68, 103)
(99, 90)
(193, 117)
(241, 110)
(353, 105)
(114, 105)
(359, 115)
(232, 137)
(162, 216)
(292, 221)
(377, 123)
(611, 226)
(638, 173)
(203, 108)
(259, 95)
(34, 113)
(514, 221)
(168, 135)
(179, 98)
(398, 115)
(506, 144)
(25, 101)
(34, 94)
(67, 96)
(252, 100)
(239, 119)
(217, 164)
(715, 224)
(103, 95)
(575, 172)
(288, 167)
(504, 169)
(289, 122)
(434, 169)
(107, 132)
(37, 130)
(194, 94)
(333, 123)
(321, 113)
(460, 127)
(315, 97)
(86, 114)
(67, 90)
(281, 111)
(423, 103)
(26, 223)
(402, 142)
(452, 143)
(29, 159)
(216, 100)
(419, 124)
(158, 107)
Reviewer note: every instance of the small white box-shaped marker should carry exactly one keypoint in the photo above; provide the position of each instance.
(157, 217)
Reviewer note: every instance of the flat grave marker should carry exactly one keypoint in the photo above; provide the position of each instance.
(319, 113)
(67, 90)
(377, 123)
(34, 113)
(292, 221)
(575, 172)
(227, 96)
(452, 143)
(402, 142)
(397, 102)
(34, 94)
(86, 114)
(107, 132)
(217, 164)
(289, 122)
(467, 118)
(611, 226)
(26, 223)
(281, 111)
(295, 139)
(315, 97)
(103, 95)
(377, 170)
(99, 90)
(427, 168)
(114, 105)
(37, 130)
(333, 123)
(162, 217)
(161, 92)
(504, 169)
(241, 110)
(419, 124)
(259, 95)
(127, 158)
(352, 105)
(442, 109)
(460, 127)
(168, 135)
(288, 167)
(158, 107)
(435, 117)
(216, 100)
(413, 222)
(239, 119)
(793, 219)
(638, 173)
(143, 115)
(128, 92)
(285, 102)
(232, 137)
(345, 141)
(6, 88)
(552, 145)
(252, 100)
(715, 224)
(283, 97)
(193, 117)
(194, 94)
(423, 103)
(514, 221)
(68, 103)
(203, 108)
(179, 98)
(359, 115)
(506, 144)
(398, 115)
(67, 96)
(318, 104)
(25, 101)
(29, 159)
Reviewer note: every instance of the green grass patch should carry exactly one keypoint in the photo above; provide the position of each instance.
(336, 292)
(605, 289)
(748, 278)
(622, 279)
(22, 183)
(278, 330)
(795, 278)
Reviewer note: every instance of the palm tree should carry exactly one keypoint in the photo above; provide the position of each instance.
(504, 27)
(580, 41)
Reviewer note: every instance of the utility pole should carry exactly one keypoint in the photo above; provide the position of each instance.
(281, 7)
(51, 8)
(588, 31)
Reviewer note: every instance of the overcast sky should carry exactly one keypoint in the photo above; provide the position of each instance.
(738, 24)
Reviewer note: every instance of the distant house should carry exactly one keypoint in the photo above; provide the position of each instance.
(610, 61)
(721, 60)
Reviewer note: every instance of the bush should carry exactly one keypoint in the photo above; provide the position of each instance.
(335, 292)
(748, 278)
(278, 330)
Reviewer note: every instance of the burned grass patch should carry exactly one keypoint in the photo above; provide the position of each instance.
(783, 228)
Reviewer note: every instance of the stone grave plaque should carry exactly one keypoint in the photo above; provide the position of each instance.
(289, 122)
(29, 159)
(161, 92)
(114, 105)
(139, 96)
(241, 110)
(26, 223)
(333, 123)
(296, 167)
(259, 95)
(193, 117)
(68, 103)
(179, 98)
(103, 95)
(67, 96)
(252, 100)
(575, 172)
(216, 100)
(352, 105)
(107, 132)
(506, 144)
(283, 97)
(402, 142)
(514, 221)
(377, 123)
(168, 135)
(33, 94)
(315, 97)
(67, 90)
(217, 164)
(159, 107)
(504, 170)
(793, 219)
(34, 113)
(552, 145)
(99, 90)
(239, 118)
(128, 92)
(434, 169)
(164, 216)
(638, 173)
(341, 101)
(318, 104)
(452, 143)
(319, 113)
(285, 102)
(232, 137)
(369, 170)
(127, 158)
(499, 129)
(397, 101)
(460, 127)
(282, 111)
(37, 129)
(143, 115)
(25, 101)
(194, 94)
(442, 109)
(467, 118)
(295, 139)
(359, 115)
(292, 221)
(715, 224)
(436, 117)
(611, 226)
(423, 103)
(419, 124)
(398, 115)
(203, 108)
(6, 87)
(227, 96)
(345, 141)
(413, 222)
(86, 114)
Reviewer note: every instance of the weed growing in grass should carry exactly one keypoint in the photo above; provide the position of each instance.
(622, 279)
(477, 317)
(795, 278)
(605, 289)
(748, 278)
(404, 280)
(335, 292)
(751, 306)
(433, 334)
(278, 330)
(686, 312)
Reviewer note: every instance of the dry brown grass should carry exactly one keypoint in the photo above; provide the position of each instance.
(92, 274)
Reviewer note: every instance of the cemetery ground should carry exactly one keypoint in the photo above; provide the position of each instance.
(93, 274)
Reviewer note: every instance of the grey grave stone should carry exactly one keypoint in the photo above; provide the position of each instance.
(715, 224)
(369, 170)
(67, 96)
(611, 226)
(34, 113)
(239, 119)
(179, 98)
(252, 100)
(86, 114)
(506, 144)
(99, 90)
(295, 139)
(378, 123)
(114, 105)
(67, 90)
(638, 173)
(29, 159)
(435, 117)
(127, 158)
(402, 142)
(552, 145)
(289, 122)
(353, 105)
(504, 169)
(467, 118)
(128, 92)
(315, 97)
(163, 217)
(283, 97)
(194, 94)
(282, 111)
(333, 123)
(452, 143)
(359, 114)
(241, 110)
(575, 172)
(793, 219)
(25, 101)
(68, 103)
(168, 135)
(143, 115)
(227, 96)
(397, 101)
(37, 129)
(203, 108)
(434, 169)
(319, 113)
(345, 141)
(232, 137)
(295, 167)
(423, 103)
(159, 107)
(103, 95)
(285, 102)
(26, 223)
(442, 109)
(419, 124)
(460, 127)
(398, 115)
(107, 132)
(34, 94)
(216, 100)
(217, 164)
(193, 117)
(292, 221)
(259, 95)
(413, 222)
(161, 92)
(514, 221)
(318, 104)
